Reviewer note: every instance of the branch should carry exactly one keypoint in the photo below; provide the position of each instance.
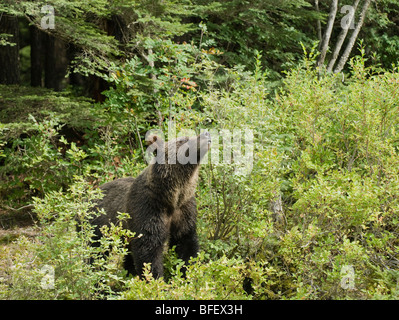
(29, 206)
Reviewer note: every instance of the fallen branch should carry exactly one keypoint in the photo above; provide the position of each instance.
(29, 206)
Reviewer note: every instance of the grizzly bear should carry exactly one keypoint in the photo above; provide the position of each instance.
(160, 202)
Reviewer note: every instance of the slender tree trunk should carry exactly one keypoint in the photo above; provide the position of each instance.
(36, 56)
(341, 39)
(327, 34)
(319, 34)
(9, 55)
(154, 78)
(352, 40)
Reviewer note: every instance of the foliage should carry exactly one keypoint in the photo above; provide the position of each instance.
(19, 103)
(41, 146)
(241, 27)
(55, 265)
(379, 32)
(107, 32)
(219, 279)
(157, 88)
(34, 160)
(240, 183)
(336, 167)
(87, 25)
(343, 179)
(4, 41)
(205, 279)
(299, 196)
(328, 148)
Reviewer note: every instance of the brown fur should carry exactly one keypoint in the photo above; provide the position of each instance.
(160, 202)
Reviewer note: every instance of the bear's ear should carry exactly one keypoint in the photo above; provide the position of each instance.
(153, 139)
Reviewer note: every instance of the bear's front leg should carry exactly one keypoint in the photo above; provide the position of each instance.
(183, 232)
(149, 249)
(186, 245)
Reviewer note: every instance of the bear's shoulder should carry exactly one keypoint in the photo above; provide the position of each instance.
(118, 183)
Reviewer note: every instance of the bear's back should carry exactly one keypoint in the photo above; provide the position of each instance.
(114, 200)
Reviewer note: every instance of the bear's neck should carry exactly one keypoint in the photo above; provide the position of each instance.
(173, 186)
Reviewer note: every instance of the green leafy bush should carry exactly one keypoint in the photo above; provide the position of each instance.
(41, 159)
(150, 90)
(56, 263)
(344, 181)
(205, 278)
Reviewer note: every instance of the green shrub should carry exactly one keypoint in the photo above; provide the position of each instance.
(220, 279)
(344, 181)
(44, 160)
(55, 264)
(206, 279)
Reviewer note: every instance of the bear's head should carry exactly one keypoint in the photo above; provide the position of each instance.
(181, 151)
(173, 172)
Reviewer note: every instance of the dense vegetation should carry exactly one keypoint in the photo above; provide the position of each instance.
(311, 213)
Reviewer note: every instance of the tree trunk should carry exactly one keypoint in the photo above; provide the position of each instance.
(319, 34)
(75, 79)
(341, 39)
(56, 63)
(353, 38)
(96, 86)
(49, 62)
(9, 55)
(327, 34)
(154, 78)
(36, 56)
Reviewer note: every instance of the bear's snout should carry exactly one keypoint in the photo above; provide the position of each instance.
(206, 135)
